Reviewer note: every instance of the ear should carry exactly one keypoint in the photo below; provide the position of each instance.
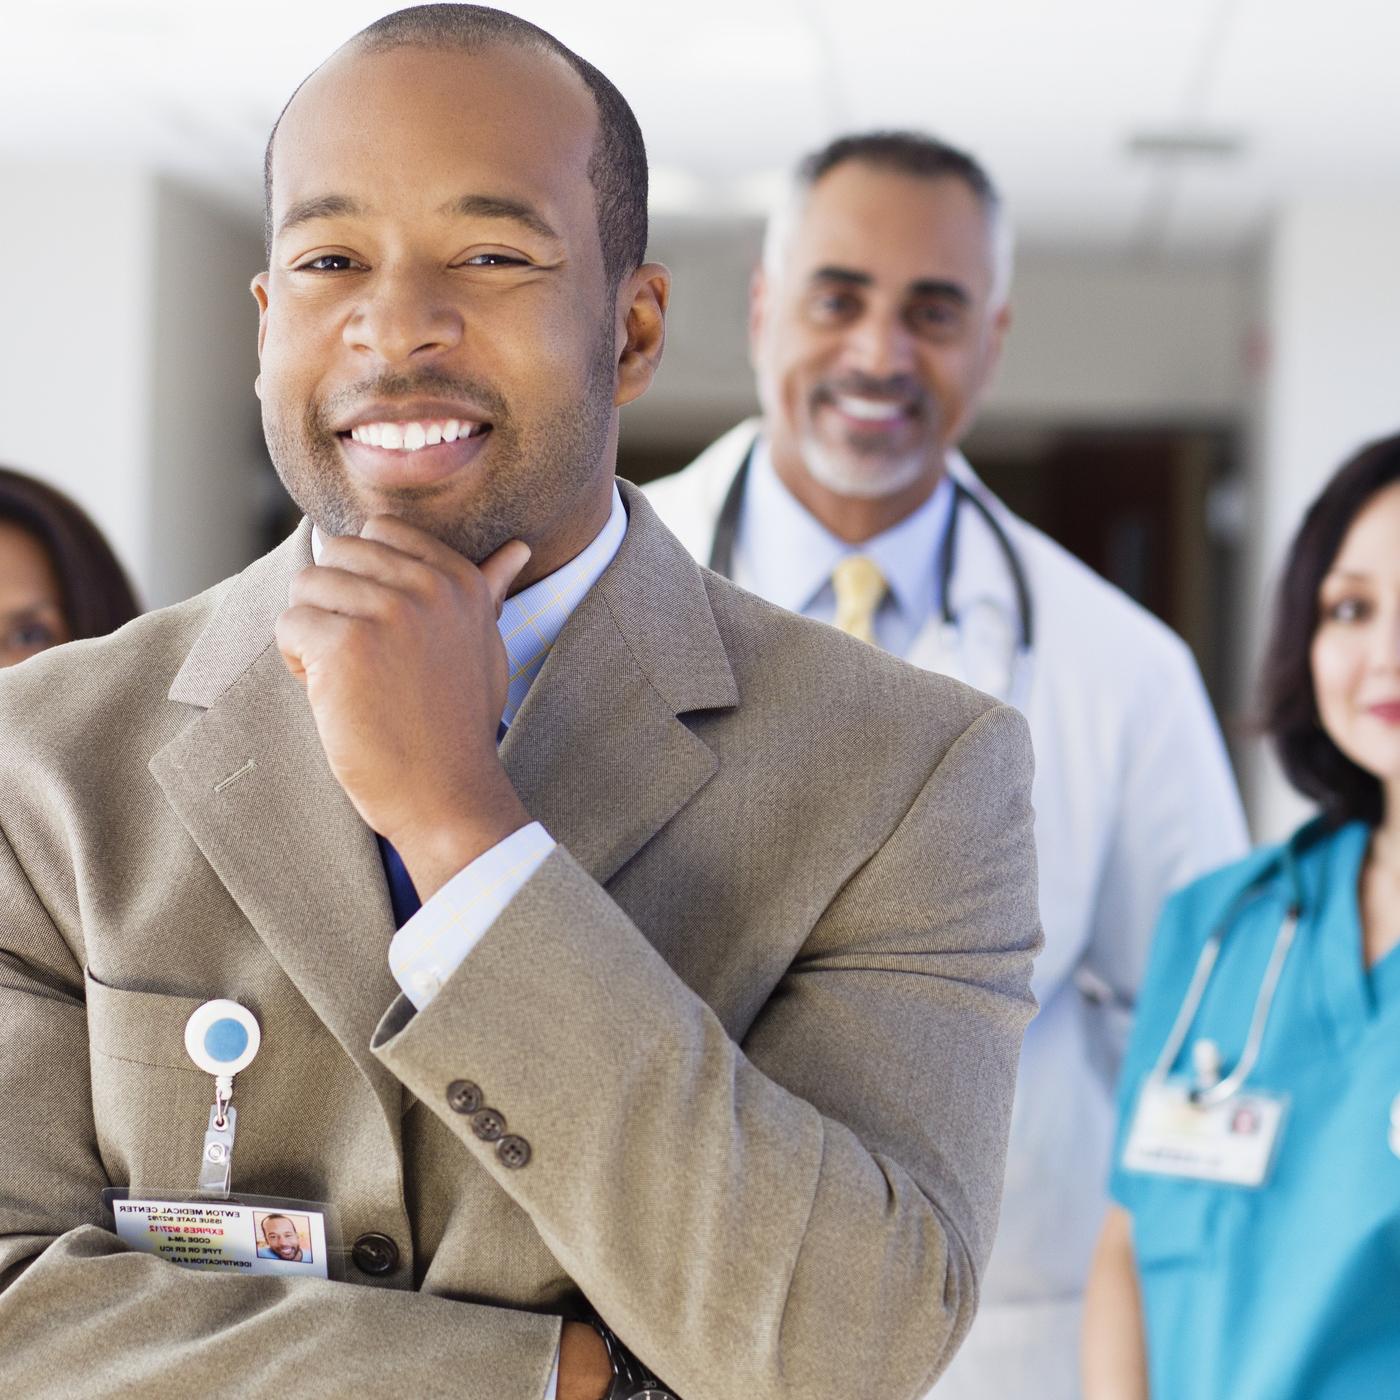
(258, 287)
(641, 302)
(758, 311)
(996, 341)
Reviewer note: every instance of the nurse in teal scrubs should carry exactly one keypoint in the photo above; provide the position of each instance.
(1253, 1252)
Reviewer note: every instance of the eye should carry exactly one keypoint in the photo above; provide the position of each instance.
(327, 262)
(31, 636)
(835, 305)
(934, 315)
(494, 260)
(1349, 609)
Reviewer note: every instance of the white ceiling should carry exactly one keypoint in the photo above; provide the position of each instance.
(1048, 92)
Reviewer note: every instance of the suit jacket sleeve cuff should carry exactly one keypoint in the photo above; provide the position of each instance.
(432, 945)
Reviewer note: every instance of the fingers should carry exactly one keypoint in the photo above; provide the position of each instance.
(403, 557)
(302, 634)
(340, 591)
(502, 568)
(408, 539)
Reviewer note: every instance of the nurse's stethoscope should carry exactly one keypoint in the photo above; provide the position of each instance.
(993, 649)
(1209, 1088)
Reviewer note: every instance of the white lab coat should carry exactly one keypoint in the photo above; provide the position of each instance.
(1133, 797)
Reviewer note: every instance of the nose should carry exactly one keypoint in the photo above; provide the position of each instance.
(405, 315)
(879, 345)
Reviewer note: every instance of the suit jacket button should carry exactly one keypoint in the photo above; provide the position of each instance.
(513, 1151)
(375, 1254)
(463, 1096)
(488, 1124)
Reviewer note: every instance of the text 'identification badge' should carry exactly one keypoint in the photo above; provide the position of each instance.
(251, 1235)
(1231, 1142)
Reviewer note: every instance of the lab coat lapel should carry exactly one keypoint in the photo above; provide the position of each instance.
(250, 782)
(598, 751)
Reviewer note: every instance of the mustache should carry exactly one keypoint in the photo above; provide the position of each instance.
(425, 383)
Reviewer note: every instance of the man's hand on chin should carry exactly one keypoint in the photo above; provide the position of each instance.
(393, 635)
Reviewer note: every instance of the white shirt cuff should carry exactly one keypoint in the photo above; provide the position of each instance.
(432, 945)
(552, 1389)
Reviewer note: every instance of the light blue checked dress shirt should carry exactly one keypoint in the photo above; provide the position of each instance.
(432, 944)
(784, 554)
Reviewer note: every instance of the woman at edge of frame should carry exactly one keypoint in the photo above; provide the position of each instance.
(1290, 1288)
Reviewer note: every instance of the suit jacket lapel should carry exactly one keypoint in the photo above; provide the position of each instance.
(598, 752)
(249, 780)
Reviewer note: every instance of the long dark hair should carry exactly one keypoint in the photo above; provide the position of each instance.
(97, 597)
(1311, 761)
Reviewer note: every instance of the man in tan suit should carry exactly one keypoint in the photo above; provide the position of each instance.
(729, 1056)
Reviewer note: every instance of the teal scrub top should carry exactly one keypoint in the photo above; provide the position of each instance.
(1291, 1290)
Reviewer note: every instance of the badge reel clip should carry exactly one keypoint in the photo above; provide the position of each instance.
(222, 1038)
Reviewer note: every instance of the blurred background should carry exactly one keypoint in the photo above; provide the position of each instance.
(1207, 302)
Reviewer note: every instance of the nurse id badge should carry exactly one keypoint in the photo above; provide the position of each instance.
(1232, 1142)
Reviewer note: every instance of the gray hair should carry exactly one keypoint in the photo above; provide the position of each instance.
(906, 153)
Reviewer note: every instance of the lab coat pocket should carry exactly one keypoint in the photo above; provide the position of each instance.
(150, 1105)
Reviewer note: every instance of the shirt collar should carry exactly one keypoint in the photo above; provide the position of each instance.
(531, 620)
(788, 555)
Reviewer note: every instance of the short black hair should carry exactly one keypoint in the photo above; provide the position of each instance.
(617, 169)
(1288, 700)
(906, 152)
(97, 596)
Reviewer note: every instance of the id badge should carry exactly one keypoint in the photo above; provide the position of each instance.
(209, 1227)
(1232, 1143)
(248, 1235)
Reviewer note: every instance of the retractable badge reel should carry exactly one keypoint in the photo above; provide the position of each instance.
(222, 1038)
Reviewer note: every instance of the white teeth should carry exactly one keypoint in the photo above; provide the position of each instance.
(870, 410)
(411, 437)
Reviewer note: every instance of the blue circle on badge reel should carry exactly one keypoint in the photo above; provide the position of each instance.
(222, 1037)
(226, 1040)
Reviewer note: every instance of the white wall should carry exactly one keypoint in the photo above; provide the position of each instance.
(127, 365)
(1122, 339)
(206, 448)
(75, 245)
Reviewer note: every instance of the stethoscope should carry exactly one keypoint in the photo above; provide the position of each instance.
(983, 627)
(1209, 1088)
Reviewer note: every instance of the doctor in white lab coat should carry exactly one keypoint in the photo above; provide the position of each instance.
(877, 320)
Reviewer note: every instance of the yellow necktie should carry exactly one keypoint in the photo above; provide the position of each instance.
(860, 588)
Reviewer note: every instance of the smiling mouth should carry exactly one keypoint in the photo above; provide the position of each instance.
(865, 410)
(416, 434)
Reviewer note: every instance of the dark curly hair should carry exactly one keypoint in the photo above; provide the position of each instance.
(1288, 702)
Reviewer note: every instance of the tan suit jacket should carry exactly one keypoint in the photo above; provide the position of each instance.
(758, 1016)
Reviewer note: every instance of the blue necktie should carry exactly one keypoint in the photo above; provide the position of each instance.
(402, 896)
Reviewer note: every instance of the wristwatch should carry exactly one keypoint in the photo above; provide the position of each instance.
(631, 1380)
